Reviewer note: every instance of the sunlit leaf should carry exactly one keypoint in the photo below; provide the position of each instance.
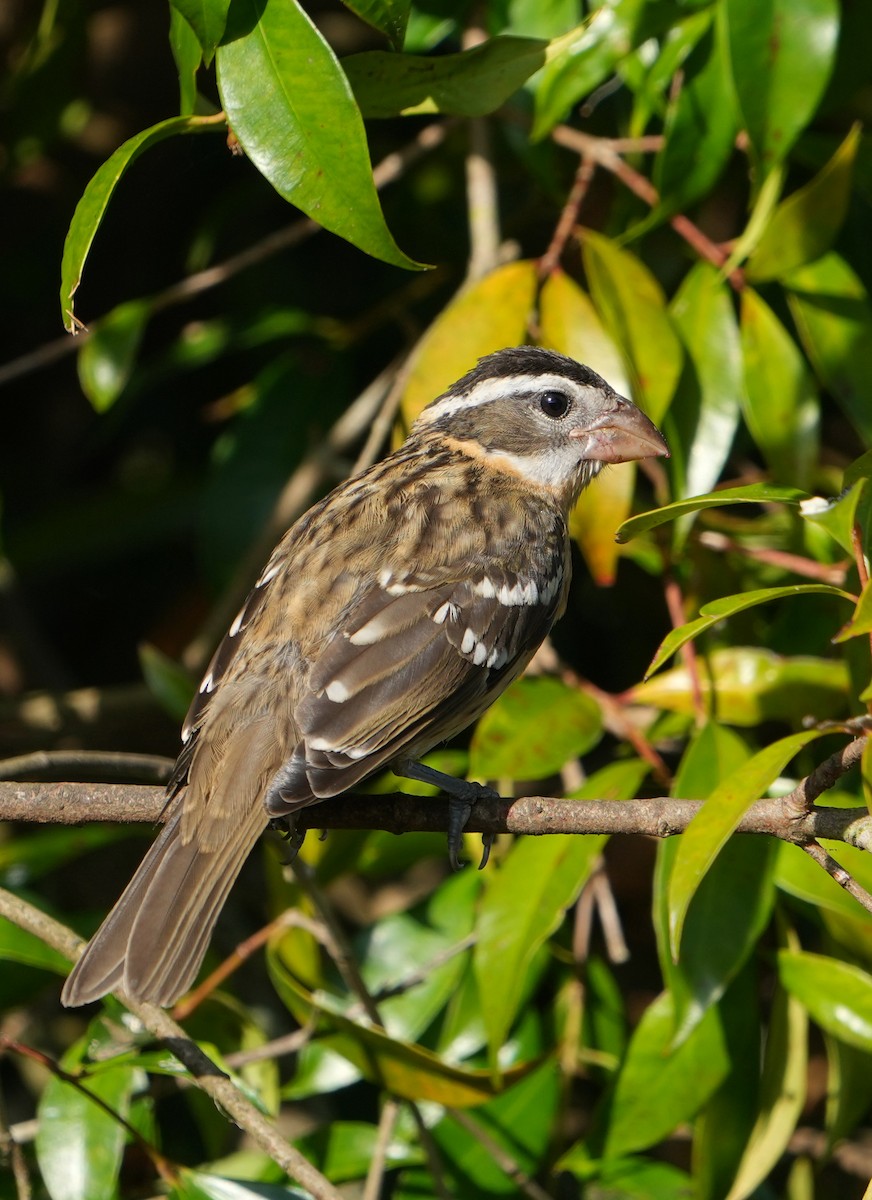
(716, 820)
(805, 225)
(92, 207)
(781, 56)
(389, 17)
(289, 104)
(782, 1092)
(840, 516)
(188, 57)
(833, 315)
(471, 83)
(208, 20)
(755, 493)
(861, 621)
(838, 995)
(533, 730)
(660, 1086)
(632, 305)
(781, 403)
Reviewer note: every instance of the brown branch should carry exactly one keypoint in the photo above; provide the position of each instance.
(398, 812)
(205, 1074)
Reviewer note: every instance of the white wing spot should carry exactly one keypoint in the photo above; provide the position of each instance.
(337, 691)
(446, 612)
(269, 573)
(207, 684)
(237, 623)
(485, 588)
(497, 658)
(480, 653)
(469, 639)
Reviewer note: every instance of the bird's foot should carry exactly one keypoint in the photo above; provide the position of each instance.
(462, 796)
(286, 828)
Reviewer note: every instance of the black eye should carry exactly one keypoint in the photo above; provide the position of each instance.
(554, 404)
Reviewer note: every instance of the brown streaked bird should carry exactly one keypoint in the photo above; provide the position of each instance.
(387, 620)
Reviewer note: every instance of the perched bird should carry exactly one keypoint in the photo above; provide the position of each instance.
(387, 620)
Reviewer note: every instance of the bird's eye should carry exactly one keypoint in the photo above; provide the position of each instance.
(554, 404)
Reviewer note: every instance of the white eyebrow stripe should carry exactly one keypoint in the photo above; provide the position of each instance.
(489, 390)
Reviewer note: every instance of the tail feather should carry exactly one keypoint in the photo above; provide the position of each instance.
(152, 943)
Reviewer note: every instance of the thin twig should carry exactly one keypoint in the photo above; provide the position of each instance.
(482, 192)
(87, 765)
(502, 1158)
(376, 1173)
(675, 607)
(837, 872)
(568, 217)
(207, 1076)
(288, 1043)
(834, 573)
(799, 802)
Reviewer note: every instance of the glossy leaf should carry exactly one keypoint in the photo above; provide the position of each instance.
(849, 1088)
(204, 1185)
(632, 305)
(781, 403)
(734, 900)
(489, 315)
(755, 493)
(781, 57)
(703, 313)
(389, 17)
(838, 995)
(107, 358)
(833, 315)
(188, 56)
(699, 130)
(660, 1086)
(79, 1146)
(589, 56)
(208, 19)
(533, 730)
(805, 225)
(20, 946)
(715, 611)
(799, 876)
(344, 1150)
(839, 516)
(743, 685)
(861, 621)
(720, 814)
(568, 323)
(472, 83)
(289, 104)
(523, 904)
(782, 1094)
(92, 207)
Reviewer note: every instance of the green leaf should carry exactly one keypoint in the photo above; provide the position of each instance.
(660, 1086)
(533, 730)
(389, 17)
(861, 621)
(589, 54)
(782, 1094)
(633, 308)
(204, 1185)
(799, 876)
(754, 493)
(744, 685)
(169, 682)
(703, 313)
(699, 130)
(208, 20)
(839, 517)
(781, 55)
(727, 606)
(838, 995)
(523, 904)
(21, 946)
(833, 315)
(472, 83)
(805, 225)
(107, 357)
(716, 820)
(79, 1146)
(344, 1150)
(781, 404)
(188, 56)
(95, 199)
(288, 102)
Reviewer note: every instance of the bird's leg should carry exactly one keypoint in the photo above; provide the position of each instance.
(462, 795)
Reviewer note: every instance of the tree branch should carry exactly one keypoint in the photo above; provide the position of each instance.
(398, 812)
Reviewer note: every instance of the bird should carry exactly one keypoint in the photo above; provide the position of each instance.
(386, 620)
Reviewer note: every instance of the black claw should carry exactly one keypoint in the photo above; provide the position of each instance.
(458, 815)
(487, 840)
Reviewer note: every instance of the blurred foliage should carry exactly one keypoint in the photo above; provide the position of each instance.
(143, 466)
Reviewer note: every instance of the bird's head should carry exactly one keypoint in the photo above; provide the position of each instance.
(542, 416)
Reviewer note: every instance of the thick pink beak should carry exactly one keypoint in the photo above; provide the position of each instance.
(622, 434)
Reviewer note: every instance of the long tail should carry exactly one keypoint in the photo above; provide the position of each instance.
(152, 943)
